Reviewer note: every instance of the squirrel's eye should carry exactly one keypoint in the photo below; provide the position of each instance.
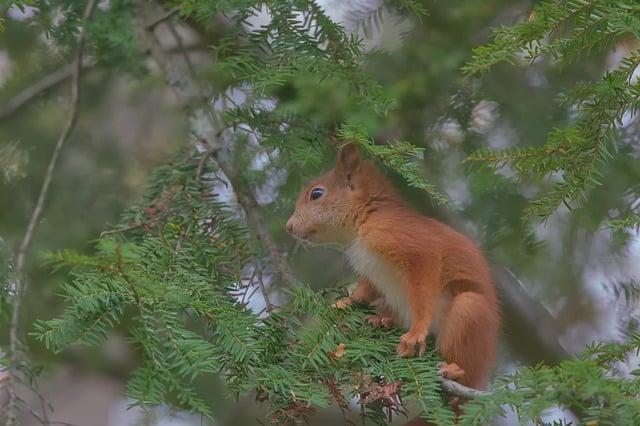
(316, 193)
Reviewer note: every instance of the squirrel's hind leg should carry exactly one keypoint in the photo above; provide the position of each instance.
(451, 370)
(468, 337)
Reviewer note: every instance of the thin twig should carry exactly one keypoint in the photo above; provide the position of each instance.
(40, 87)
(121, 230)
(258, 272)
(164, 17)
(20, 281)
(205, 156)
(181, 48)
(256, 219)
(263, 288)
(46, 421)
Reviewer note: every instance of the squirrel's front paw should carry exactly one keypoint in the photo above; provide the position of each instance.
(343, 302)
(408, 343)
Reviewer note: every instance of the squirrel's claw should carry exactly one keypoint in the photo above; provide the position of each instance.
(408, 343)
(382, 321)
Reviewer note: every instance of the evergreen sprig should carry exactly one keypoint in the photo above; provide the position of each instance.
(562, 30)
(174, 283)
(299, 38)
(400, 156)
(576, 154)
(583, 385)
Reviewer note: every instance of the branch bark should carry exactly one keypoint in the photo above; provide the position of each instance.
(456, 389)
(525, 312)
(20, 285)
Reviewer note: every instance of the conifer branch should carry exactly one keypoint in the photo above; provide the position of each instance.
(20, 283)
(179, 75)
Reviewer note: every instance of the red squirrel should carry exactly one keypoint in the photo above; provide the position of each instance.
(419, 273)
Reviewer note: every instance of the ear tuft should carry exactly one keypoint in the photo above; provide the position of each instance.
(348, 161)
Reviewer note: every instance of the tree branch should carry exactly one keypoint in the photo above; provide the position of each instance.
(456, 389)
(20, 285)
(40, 87)
(527, 313)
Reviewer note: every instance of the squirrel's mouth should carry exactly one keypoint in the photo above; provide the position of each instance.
(302, 235)
(306, 236)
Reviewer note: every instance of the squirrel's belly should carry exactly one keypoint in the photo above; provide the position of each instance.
(385, 279)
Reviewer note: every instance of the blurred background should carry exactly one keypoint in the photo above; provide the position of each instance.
(565, 273)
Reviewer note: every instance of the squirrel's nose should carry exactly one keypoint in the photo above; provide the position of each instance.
(289, 226)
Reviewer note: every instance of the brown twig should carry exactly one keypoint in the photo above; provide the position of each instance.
(162, 18)
(45, 421)
(121, 230)
(20, 282)
(257, 221)
(257, 269)
(205, 156)
(40, 87)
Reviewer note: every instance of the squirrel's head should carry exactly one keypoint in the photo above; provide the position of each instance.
(326, 210)
(332, 207)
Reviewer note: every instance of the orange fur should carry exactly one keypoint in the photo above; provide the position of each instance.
(416, 270)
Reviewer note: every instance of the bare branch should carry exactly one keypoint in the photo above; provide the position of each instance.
(525, 312)
(40, 87)
(20, 281)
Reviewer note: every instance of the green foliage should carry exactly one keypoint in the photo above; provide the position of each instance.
(303, 140)
(564, 32)
(631, 221)
(164, 274)
(299, 38)
(582, 385)
(116, 49)
(172, 273)
(399, 156)
(176, 279)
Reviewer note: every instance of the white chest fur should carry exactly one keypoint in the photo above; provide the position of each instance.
(384, 277)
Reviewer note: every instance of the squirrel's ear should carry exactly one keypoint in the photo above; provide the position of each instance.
(348, 161)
